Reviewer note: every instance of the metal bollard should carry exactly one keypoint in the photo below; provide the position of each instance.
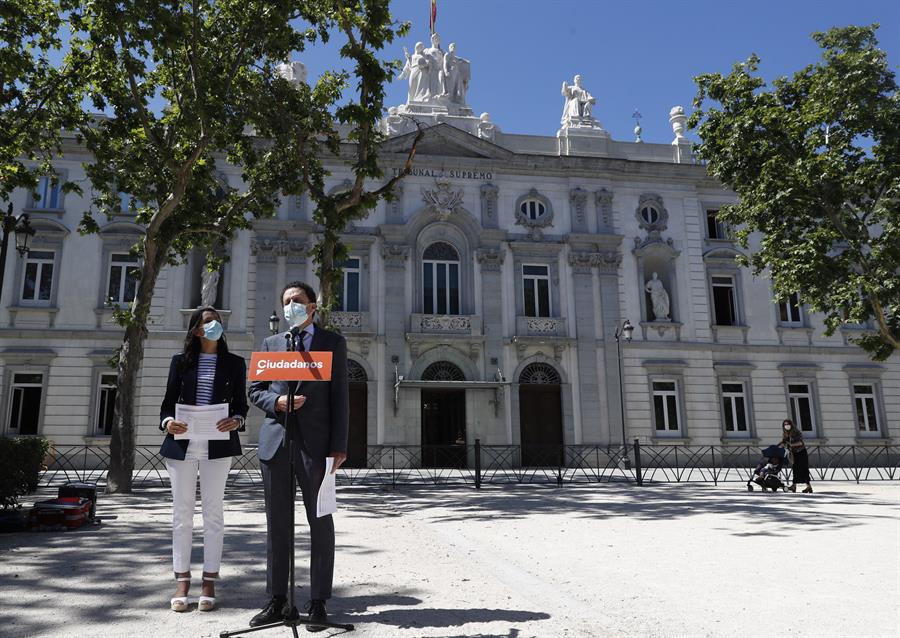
(637, 463)
(477, 464)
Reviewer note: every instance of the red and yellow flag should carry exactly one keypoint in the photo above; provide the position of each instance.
(433, 17)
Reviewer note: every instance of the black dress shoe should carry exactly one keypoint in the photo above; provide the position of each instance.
(273, 612)
(317, 613)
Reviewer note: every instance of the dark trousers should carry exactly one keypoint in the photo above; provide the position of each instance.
(280, 490)
(801, 466)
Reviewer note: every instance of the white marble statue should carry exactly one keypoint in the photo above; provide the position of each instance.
(456, 74)
(659, 297)
(579, 103)
(678, 120)
(435, 71)
(487, 130)
(417, 70)
(209, 283)
(397, 124)
(294, 72)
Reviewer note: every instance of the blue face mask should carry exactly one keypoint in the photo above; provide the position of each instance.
(213, 330)
(295, 314)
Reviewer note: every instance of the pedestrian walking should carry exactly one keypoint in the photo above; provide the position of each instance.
(792, 438)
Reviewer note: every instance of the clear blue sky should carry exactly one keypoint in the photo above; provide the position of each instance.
(631, 55)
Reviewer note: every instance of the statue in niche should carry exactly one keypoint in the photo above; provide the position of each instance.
(659, 297)
(417, 70)
(579, 103)
(209, 287)
(435, 69)
(456, 75)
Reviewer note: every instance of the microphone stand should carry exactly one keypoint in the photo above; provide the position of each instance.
(293, 343)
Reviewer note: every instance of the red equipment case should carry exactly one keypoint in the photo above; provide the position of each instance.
(68, 512)
(84, 490)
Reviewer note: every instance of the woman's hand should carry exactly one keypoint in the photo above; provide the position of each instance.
(227, 425)
(176, 427)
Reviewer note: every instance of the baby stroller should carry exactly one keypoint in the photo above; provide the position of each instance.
(768, 471)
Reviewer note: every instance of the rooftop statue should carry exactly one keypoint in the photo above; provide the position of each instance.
(578, 105)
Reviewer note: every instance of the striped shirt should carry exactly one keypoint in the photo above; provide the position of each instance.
(206, 376)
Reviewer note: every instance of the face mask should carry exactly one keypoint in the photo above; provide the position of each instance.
(786, 427)
(295, 314)
(213, 330)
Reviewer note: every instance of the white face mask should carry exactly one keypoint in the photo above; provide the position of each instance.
(295, 314)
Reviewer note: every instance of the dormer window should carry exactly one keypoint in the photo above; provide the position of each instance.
(532, 209)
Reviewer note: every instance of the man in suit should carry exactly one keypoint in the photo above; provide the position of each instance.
(319, 425)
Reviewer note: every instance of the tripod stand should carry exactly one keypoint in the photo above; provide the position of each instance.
(292, 618)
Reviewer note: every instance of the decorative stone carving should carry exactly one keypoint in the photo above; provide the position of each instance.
(651, 215)
(523, 217)
(490, 260)
(474, 350)
(394, 255)
(608, 262)
(603, 199)
(659, 297)
(209, 282)
(558, 350)
(678, 120)
(416, 71)
(434, 72)
(578, 197)
(542, 325)
(578, 106)
(263, 248)
(443, 200)
(395, 207)
(397, 124)
(489, 205)
(487, 130)
(446, 323)
(456, 74)
(294, 72)
(346, 320)
(582, 263)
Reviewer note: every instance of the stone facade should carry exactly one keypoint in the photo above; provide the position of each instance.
(507, 260)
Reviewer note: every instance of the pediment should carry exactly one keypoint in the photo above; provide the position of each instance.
(444, 140)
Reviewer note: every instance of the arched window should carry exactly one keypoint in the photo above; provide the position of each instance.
(440, 280)
(443, 371)
(540, 373)
(355, 372)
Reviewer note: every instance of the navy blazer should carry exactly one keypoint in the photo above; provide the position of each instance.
(324, 418)
(229, 386)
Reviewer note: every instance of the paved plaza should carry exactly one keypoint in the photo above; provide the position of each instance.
(598, 560)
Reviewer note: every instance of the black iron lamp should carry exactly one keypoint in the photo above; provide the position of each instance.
(24, 231)
(626, 330)
(273, 323)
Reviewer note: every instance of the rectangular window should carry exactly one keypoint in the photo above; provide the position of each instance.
(734, 409)
(124, 272)
(537, 290)
(715, 229)
(665, 406)
(789, 311)
(37, 284)
(866, 413)
(48, 195)
(25, 402)
(800, 399)
(724, 302)
(440, 287)
(106, 404)
(348, 294)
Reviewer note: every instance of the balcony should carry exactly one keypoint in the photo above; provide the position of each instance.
(445, 324)
(541, 327)
(351, 321)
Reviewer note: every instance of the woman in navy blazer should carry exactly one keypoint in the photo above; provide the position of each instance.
(204, 373)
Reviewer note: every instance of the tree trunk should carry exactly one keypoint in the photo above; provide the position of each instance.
(131, 356)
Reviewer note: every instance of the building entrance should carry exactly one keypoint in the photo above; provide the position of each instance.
(443, 425)
(357, 442)
(540, 416)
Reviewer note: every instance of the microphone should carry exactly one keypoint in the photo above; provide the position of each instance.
(297, 339)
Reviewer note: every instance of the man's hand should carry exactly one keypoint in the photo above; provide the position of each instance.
(176, 427)
(282, 402)
(227, 425)
(339, 458)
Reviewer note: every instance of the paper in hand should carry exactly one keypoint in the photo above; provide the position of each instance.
(327, 502)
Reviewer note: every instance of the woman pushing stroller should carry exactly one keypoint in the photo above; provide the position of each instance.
(792, 439)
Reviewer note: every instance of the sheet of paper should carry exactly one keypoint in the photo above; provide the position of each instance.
(201, 421)
(327, 502)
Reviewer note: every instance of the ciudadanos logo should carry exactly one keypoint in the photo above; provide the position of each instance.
(265, 364)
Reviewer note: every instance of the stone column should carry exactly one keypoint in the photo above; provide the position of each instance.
(491, 261)
(396, 317)
(582, 264)
(608, 263)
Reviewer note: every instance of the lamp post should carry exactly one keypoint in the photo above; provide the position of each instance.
(273, 323)
(625, 330)
(23, 230)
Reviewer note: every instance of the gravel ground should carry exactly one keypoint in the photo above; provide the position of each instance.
(600, 560)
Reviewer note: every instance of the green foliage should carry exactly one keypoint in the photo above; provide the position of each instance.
(21, 462)
(38, 98)
(815, 160)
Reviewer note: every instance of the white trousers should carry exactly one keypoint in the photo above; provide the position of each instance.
(183, 476)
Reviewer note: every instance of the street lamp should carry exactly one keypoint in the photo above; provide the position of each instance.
(23, 230)
(625, 330)
(273, 323)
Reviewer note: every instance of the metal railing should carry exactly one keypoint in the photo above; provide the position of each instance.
(477, 465)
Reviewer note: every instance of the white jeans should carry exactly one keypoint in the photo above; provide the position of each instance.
(183, 476)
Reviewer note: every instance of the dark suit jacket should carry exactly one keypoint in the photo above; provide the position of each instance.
(324, 418)
(229, 386)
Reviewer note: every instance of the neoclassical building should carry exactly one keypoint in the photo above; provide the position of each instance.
(482, 303)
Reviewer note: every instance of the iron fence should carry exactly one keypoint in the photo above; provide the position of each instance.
(477, 465)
